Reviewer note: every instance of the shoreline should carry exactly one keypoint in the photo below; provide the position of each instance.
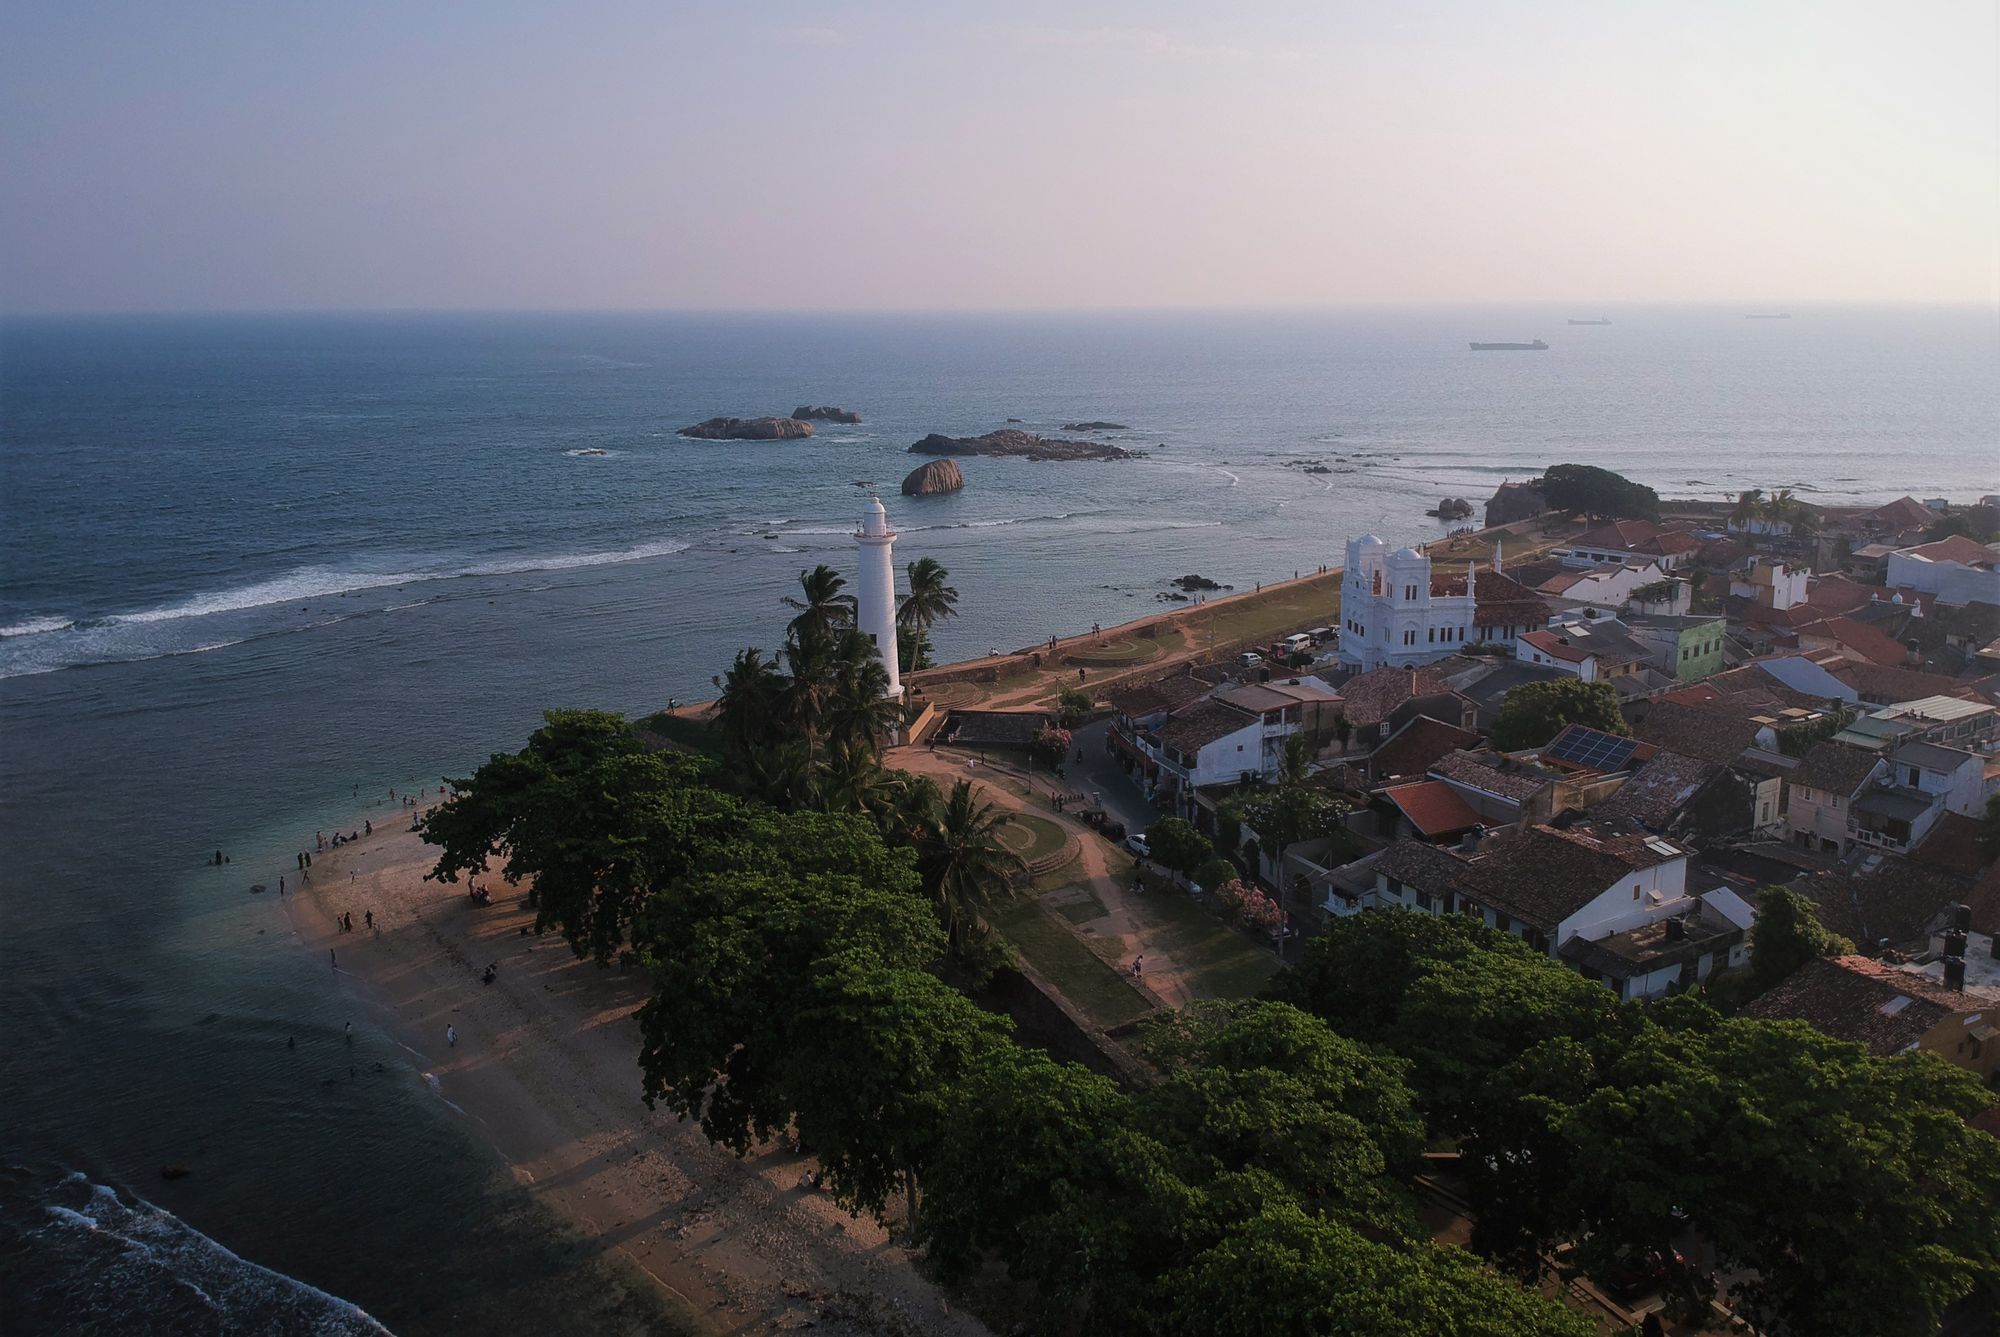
(544, 1073)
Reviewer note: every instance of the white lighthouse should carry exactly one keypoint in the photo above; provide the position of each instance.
(875, 594)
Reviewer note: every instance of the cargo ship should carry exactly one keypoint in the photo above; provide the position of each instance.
(1599, 321)
(1769, 315)
(1535, 347)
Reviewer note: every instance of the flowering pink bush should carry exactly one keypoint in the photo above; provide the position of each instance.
(1249, 904)
(1051, 744)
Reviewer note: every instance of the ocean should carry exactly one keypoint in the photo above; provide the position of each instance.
(255, 571)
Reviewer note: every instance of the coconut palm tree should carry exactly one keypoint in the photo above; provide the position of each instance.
(964, 865)
(856, 708)
(822, 605)
(746, 710)
(849, 779)
(1749, 507)
(930, 599)
(779, 774)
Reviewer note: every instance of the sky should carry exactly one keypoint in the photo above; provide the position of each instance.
(644, 154)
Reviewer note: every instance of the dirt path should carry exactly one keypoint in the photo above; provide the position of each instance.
(1106, 870)
(544, 1069)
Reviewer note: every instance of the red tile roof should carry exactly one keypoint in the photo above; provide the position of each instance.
(1372, 696)
(1955, 548)
(1622, 534)
(1854, 998)
(1555, 647)
(1859, 639)
(1417, 746)
(1433, 807)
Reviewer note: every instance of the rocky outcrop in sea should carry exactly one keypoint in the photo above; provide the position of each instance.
(749, 429)
(825, 413)
(1021, 445)
(1095, 427)
(1515, 501)
(933, 478)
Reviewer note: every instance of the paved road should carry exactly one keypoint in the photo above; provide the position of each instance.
(1100, 774)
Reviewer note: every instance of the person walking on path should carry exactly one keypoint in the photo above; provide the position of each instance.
(332, 960)
(451, 1035)
(1138, 965)
(281, 884)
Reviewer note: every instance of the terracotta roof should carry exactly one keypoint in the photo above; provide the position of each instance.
(1561, 581)
(1952, 845)
(1853, 998)
(1955, 548)
(1896, 901)
(1697, 731)
(1426, 867)
(1498, 600)
(1658, 790)
(1885, 683)
(1700, 694)
(1858, 638)
(1902, 513)
(1542, 875)
(1488, 771)
(1556, 647)
(1190, 730)
(1414, 747)
(1621, 534)
(1164, 694)
(1835, 768)
(1371, 696)
(1433, 807)
(1668, 543)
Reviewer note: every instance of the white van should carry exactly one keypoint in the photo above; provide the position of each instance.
(1298, 644)
(1249, 659)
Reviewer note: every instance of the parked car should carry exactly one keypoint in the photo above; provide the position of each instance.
(1249, 659)
(1136, 842)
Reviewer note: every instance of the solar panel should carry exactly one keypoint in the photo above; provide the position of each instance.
(1592, 749)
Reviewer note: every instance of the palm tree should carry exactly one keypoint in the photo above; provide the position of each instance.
(849, 779)
(747, 708)
(857, 709)
(962, 861)
(780, 775)
(930, 600)
(1780, 508)
(1749, 506)
(824, 605)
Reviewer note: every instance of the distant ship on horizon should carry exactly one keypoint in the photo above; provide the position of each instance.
(1535, 347)
(1601, 320)
(1769, 315)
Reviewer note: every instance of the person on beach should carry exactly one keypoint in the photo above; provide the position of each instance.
(368, 918)
(331, 959)
(281, 884)
(367, 828)
(309, 861)
(451, 1035)
(1138, 965)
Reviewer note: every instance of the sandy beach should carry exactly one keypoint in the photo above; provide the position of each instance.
(545, 1072)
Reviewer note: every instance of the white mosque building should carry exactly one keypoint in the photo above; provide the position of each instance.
(875, 590)
(1393, 615)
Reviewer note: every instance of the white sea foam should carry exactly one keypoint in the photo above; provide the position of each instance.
(155, 1249)
(308, 583)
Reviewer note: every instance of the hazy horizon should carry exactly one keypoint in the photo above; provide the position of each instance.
(1048, 159)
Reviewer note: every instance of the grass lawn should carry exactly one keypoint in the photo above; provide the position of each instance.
(1030, 837)
(1313, 603)
(1222, 962)
(1079, 974)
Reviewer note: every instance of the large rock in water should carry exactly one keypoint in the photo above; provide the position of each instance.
(928, 480)
(749, 429)
(1023, 445)
(826, 413)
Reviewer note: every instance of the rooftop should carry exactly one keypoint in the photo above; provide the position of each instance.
(1165, 694)
(1697, 731)
(1433, 808)
(1835, 768)
(1658, 790)
(1937, 709)
(1887, 900)
(1956, 548)
(1190, 730)
(1952, 845)
(1492, 773)
(1417, 745)
(1373, 695)
(1931, 757)
(1902, 804)
(1856, 999)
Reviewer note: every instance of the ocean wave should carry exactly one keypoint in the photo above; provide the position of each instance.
(308, 583)
(105, 1264)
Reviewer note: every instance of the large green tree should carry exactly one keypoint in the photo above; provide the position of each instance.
(1177, 845)
(1598, 493)
(964, 864)
(595, 823)
(822, 601)
(1535, 712)
(1787, 934)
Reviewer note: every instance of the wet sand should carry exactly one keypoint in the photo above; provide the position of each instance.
(545, 1072)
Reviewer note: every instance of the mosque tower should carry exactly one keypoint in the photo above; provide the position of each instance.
(875, 593)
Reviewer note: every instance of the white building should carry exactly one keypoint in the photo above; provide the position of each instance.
(1958, 777)
(875, 591)
(1391, 616)
(1957, 570)
(1770, 584)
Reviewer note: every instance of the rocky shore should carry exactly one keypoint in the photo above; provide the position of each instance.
(1021, 445)
(825, 413)
(932, 479)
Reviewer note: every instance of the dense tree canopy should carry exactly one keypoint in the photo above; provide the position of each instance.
(1619, 1125)
(1177, 845)
(1598, 493)
(1788, 934)
(1535, 712)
